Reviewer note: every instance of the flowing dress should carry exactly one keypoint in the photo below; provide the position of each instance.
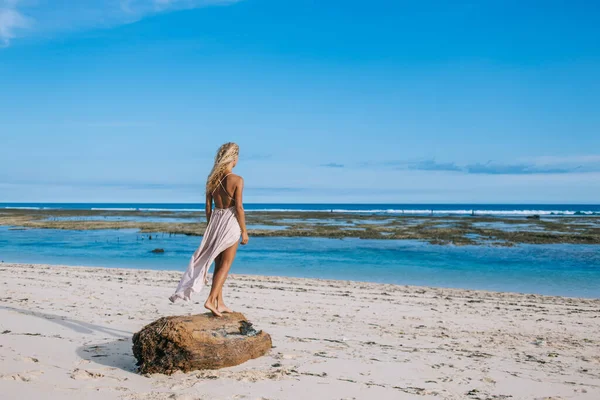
(222, 232)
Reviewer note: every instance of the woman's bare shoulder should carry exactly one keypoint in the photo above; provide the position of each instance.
(237, 178)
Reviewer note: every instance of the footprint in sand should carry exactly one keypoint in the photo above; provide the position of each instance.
(79, 374)
(30, 359)
(22, 376)
(160, 396)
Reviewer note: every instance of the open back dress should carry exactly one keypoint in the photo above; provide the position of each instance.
(222, 232)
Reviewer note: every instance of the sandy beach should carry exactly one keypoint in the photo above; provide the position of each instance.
(65, 333)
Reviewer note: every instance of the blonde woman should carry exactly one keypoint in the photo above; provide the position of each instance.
(225, 224)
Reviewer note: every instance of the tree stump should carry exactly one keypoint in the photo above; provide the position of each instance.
(187, 343)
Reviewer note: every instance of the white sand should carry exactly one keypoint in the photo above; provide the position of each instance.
(67, 335)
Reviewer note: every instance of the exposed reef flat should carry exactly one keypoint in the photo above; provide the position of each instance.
(457, 230)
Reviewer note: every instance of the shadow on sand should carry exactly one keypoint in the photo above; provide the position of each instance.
(116, 353)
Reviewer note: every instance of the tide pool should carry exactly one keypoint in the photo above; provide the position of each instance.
(558, 269)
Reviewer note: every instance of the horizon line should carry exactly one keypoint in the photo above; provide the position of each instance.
(311, 203)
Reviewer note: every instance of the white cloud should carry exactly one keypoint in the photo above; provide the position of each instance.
(576, 163)
(11, 21)
(19, 17)
(527, 166)
(575, 159)
(145, 7)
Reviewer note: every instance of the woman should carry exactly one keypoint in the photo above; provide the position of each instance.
(225, 224)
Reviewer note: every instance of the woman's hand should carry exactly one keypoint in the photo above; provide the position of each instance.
(245, 237)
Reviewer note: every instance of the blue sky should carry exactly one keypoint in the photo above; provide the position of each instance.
(334, 101)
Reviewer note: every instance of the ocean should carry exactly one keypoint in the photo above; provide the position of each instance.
(416, 209)
(552, 269)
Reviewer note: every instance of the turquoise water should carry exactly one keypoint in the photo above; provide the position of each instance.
(266, 227)
(508, 227)
(112, 218)
(567, 270)
(380, 209)
(316, 221)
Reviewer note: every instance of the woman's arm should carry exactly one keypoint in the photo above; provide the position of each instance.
(239, 209)
(208, 207)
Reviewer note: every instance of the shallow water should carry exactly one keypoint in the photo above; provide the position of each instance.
(568, 270)
(373, 221)
(266, 227)
(508, 227)
(113, 218)
(315, 221)
(442, 226)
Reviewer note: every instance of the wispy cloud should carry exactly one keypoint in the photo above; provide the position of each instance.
(432, 165)
(415, 165)
(21, 17)
(332, 165)
(12, 21)
(491, 168)
(558, 160)
(535, 165)
(144, 7)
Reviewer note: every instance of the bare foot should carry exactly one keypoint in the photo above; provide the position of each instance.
(224, 309)
(211, 307)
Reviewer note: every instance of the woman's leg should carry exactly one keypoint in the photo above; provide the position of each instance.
(226, 259)
(217, 263)
(220, 303)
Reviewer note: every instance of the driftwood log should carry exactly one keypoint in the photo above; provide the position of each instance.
(187, 343)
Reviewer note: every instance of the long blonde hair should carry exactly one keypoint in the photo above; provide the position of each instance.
(225, 156)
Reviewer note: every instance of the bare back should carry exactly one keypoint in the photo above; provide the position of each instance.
(224, 194)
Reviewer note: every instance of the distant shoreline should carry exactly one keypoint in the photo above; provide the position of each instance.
(338, 208)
